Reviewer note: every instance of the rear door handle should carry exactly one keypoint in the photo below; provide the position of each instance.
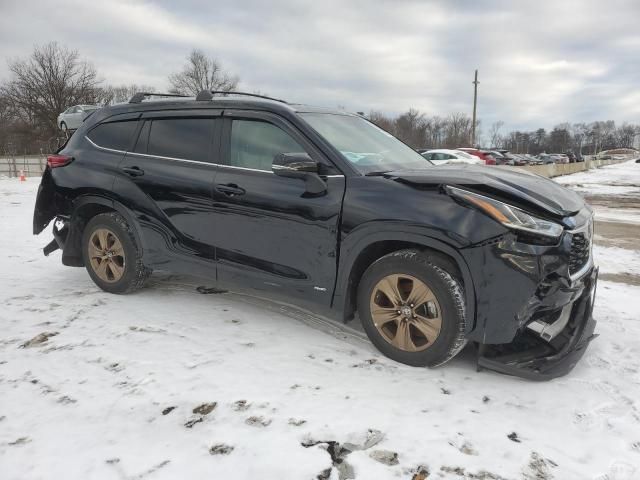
(230, 189)
(133, 171)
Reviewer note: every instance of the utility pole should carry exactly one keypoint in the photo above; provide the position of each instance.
(475, 102)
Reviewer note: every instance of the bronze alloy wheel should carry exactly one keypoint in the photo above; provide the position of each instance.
(406, 312)
(106, 255)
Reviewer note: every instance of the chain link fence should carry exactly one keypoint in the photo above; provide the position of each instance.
(32, 164)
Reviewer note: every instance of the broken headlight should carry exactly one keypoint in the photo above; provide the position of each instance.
(508, 215)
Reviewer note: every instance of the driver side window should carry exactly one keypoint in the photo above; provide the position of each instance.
(254, 144)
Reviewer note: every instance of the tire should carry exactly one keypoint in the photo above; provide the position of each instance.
(411, 270)
(122, 270)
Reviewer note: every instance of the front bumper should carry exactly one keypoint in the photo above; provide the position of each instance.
(530, 356)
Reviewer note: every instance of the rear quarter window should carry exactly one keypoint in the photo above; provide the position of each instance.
(114, 135)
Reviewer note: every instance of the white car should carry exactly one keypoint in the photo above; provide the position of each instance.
(443, 156)
(72, 117)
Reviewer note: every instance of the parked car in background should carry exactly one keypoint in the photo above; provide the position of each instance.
(546, 159)
(560, 157)
(72, 117)
(532, 160)
(501, 159)
(519, 159)
(481, 154)
(443, 156)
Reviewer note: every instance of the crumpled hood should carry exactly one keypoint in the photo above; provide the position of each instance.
(517, 186)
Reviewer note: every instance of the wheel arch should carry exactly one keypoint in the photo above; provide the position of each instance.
(355, 260)
(86, 207)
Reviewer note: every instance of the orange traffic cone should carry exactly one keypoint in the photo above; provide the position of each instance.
(22, 176)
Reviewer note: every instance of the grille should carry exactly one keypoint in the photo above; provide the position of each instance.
(580, 251)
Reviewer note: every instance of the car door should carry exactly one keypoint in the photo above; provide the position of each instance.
(167, 180)
(270, 233)
(74, 118)
(438, 158)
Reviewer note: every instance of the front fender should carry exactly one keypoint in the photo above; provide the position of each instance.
(353, 244)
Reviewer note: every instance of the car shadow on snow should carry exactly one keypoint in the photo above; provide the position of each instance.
(351, 333)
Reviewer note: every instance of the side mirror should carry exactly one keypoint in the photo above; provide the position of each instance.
(301, 166)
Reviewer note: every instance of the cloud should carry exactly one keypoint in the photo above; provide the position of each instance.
(540, 63)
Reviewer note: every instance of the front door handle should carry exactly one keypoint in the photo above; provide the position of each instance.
(230, 189)
(133, 171)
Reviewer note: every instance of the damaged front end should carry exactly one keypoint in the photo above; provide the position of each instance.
(550, 346)
(555, 325)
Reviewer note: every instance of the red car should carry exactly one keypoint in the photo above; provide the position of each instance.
(483, 155)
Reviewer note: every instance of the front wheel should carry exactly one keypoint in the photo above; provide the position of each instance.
(412, 308)
(111, 254)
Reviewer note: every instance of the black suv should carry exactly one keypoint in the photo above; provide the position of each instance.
(323, 209)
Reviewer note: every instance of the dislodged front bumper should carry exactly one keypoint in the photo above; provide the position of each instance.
(534, 356)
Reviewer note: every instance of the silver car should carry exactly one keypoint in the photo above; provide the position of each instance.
(72, 117)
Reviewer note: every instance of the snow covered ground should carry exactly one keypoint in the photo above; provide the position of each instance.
(168, 383)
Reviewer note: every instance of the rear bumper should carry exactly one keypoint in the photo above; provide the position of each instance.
(531, 357)
(59, 237)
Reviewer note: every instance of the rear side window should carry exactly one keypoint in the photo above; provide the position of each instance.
(114, 135)
(186, 138)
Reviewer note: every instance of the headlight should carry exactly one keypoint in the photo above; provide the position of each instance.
(508, 215)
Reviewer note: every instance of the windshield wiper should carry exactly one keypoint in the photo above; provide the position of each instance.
(377, 174)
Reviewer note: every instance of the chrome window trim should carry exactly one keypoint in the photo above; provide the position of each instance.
(103, 148)
(198, 162)
(175, 159)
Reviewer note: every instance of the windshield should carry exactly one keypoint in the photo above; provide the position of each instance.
(368, 148)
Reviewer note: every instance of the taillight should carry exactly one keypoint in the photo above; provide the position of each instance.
(55, 161)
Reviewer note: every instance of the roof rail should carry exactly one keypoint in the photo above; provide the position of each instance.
(138, 97)
(206, 95)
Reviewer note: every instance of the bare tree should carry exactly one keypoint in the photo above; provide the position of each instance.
(410, 128)
(494, 133)
(458, 130)
(49, 81)
(626, 135)
(111, 94)
(436, 127)
(202, 73)
(381, 120)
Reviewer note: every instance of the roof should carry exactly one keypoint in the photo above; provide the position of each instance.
(443, 150)
(229, 102)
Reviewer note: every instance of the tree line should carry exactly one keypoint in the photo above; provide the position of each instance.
(421, 131)
(54, 77)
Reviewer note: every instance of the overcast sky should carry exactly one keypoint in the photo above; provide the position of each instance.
(540, 62)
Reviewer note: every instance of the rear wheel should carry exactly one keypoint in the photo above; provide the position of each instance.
(412, 308)
(111, 254)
